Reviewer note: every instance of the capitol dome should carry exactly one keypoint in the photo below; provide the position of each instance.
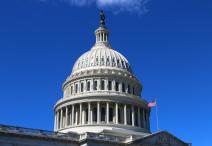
(102, 94)
(101, 56)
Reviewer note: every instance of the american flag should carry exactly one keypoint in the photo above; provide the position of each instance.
(151, 104)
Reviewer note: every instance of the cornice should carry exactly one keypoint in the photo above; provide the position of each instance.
(102, 72)
(133, 100)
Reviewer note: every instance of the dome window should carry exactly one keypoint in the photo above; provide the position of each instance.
(95, 85)
(71, 90)
(88, 86)
(129, 91)
(82, 87)
(133, 90)
(123, 87)
(109, 85)
(76, 88)
(117, 86)
(102, 85)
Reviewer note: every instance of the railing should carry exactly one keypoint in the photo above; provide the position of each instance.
(105, 137)
(37, 132)
(66, 136)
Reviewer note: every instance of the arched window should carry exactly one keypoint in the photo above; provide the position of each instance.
(128, 89)
(133, 90)
(109, 85)
(71, 89)
(88, 86)
(117, 86)
(82, 87)
(95, 85)
(102, 85)
(76, 88)
(123, 87)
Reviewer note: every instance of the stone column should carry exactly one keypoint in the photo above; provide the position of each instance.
(98, 84)
(58, 119)
(98, 112)
(107, 112)
(83, 116)
(72, 115)
(91, 115)
(61, 118)
(139, 117)
(80, 114)
(89, 112)
(133, 116)
(125, 114)
(55, 121)
(66, 121)
(76, 117)
(117, 120)
(85, 86)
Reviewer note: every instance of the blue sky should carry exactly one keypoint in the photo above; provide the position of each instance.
(167, 42)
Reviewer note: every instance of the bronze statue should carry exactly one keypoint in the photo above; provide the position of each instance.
(102, 19)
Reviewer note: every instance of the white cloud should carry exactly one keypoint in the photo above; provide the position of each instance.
(132, 6)
(123, 5)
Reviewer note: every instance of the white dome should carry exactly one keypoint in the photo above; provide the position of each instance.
(101, 56)
(102, 93)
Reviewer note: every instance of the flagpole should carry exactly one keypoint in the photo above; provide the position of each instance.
(157, 114)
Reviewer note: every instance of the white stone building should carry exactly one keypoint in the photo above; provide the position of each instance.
(101, 105)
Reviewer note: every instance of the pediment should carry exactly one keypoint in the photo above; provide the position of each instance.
(162, 138)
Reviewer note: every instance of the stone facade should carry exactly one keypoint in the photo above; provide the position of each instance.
(18, 136)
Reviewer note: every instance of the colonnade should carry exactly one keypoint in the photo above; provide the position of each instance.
(101, 113)
(107, 84)
(102, 36)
